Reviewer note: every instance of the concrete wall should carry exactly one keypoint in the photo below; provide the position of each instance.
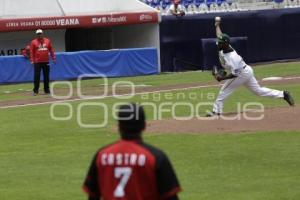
(136, 36)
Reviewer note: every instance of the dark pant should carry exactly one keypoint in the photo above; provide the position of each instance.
(37, 73)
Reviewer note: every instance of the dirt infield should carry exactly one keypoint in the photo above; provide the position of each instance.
(274, 119)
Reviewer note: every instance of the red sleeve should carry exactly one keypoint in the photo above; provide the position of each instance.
(52, 51)
(32, 52)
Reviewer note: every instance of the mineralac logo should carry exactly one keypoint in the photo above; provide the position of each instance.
(145, 17)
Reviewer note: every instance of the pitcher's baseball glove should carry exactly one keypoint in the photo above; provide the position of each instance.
(218, 73)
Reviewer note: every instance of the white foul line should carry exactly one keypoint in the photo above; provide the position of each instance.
(104, 97)
(108, 96)
(291, 78)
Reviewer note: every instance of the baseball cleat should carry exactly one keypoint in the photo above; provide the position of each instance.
(212, 114)
(288, 98)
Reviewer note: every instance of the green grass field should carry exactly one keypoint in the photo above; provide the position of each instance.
(41, 158)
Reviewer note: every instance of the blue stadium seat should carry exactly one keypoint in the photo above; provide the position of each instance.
(209, 2)
(230, 2)
(164, 5)
(199, 2)
(187, 3)
(278, 1)
(148, 2)
(167, 2)
(219, 2)
(155, 3)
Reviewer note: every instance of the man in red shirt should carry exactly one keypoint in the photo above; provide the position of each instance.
(39, 56)
(130, 169)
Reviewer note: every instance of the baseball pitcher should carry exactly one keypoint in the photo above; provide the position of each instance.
(240, 74)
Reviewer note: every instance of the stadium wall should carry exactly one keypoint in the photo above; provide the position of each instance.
(70, 65)
(271, 35)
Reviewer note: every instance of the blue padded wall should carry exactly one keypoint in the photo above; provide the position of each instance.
(70, 65)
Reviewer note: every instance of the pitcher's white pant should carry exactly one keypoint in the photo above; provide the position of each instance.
(247, 79)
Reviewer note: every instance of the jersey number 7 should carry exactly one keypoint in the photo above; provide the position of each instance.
(124, 174)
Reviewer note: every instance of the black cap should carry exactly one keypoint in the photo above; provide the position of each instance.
(131, 119)
(223, 38)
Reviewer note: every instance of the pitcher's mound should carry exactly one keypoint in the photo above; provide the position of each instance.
(273, 119)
